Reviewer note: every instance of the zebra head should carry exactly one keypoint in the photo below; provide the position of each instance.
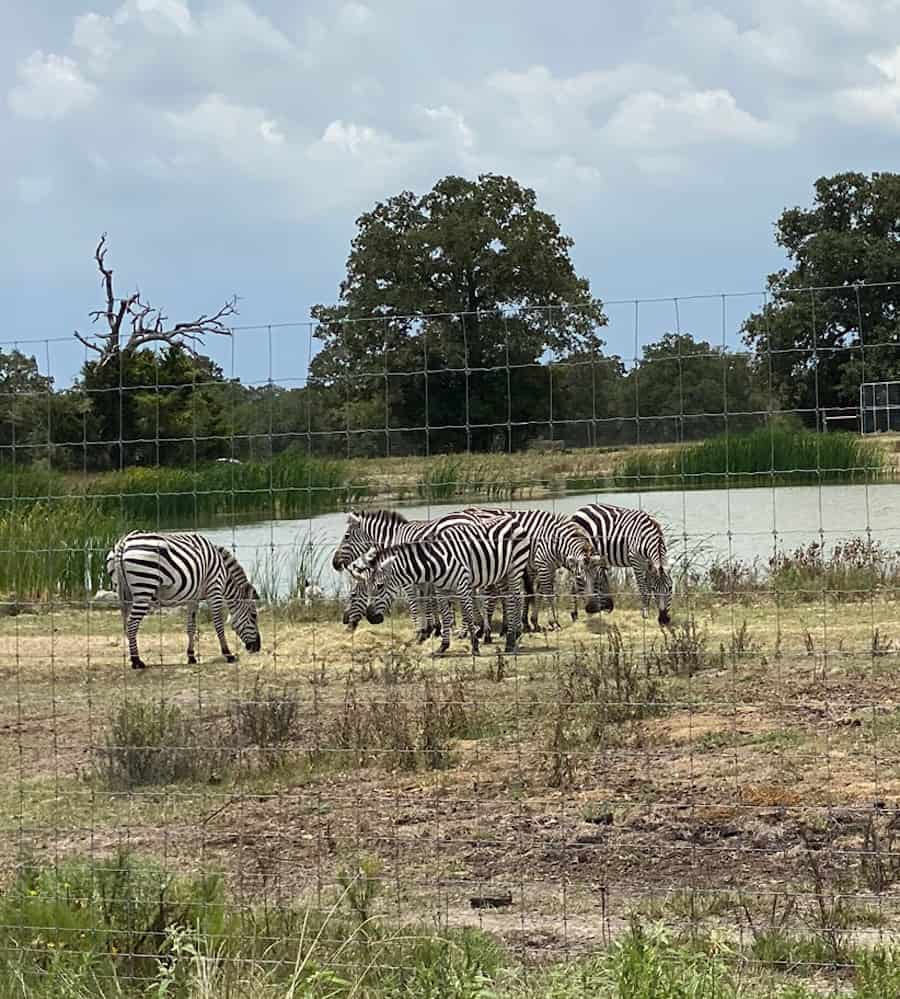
(354, 543)
(361, 570)
(595, 588)
(660, 583)
(380, 583)
(241, 597)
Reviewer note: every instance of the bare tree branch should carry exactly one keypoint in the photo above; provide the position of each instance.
(147, 324)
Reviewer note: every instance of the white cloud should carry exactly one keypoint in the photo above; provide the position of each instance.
(94, 35)
(50, 86)
(356, 17)
(879, 102)
(651, 120)
(158, 16)
(451, 124)
(349, 138)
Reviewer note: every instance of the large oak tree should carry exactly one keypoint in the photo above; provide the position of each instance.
(833, 317)
(470, 282)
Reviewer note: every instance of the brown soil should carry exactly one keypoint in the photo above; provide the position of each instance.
(735, 773)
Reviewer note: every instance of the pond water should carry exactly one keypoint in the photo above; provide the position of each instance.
(702, 525)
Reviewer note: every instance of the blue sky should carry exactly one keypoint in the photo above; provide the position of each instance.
(227, 146)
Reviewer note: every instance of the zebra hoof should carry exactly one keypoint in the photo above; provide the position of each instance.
(422, 635)
(231, 658)
(664, 618)
(511, 646)
(574, 615)
(475, 650)
(192, 660)
(137, 663)
(443, 649)
(488, 639)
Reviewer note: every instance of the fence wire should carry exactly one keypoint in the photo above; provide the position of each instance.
(350, 813)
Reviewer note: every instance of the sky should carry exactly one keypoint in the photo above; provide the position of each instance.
(228, 146)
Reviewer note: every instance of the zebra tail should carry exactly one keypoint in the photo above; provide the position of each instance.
(122, 587)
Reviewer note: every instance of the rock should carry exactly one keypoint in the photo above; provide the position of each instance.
(105, 597)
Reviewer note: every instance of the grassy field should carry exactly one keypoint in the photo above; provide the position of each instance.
(707, 811)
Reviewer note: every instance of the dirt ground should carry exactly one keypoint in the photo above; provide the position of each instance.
(748, 756)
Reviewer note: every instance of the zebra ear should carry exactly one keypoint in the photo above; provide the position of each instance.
(354, 519)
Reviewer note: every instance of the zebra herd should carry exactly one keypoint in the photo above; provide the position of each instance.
(475, 557)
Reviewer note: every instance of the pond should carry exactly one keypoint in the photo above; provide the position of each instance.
(702, 524)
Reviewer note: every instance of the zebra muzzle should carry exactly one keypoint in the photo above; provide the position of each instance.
(373, 617)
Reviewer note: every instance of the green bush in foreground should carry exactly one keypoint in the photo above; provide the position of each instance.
(127, 927)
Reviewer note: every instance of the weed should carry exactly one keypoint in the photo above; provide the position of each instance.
(155, 743)
(879, 857)
(613, 685)
(559, 761)
(880, 647)
(683, 651)
(267, 720)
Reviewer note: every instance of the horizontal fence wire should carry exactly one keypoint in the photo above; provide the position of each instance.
(708, 783)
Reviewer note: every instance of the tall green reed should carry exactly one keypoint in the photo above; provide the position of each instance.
(776, 455)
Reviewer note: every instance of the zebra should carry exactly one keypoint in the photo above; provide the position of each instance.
(556, 543)
(456, 561)
(631, 538)
(383, 529)
(158, 570)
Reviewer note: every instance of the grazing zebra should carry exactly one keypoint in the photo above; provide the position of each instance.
(383, 529)
(631, 538)
(556, 543)
(163, 570)
(456, 562)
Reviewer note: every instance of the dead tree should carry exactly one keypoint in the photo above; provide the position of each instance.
(132, 323)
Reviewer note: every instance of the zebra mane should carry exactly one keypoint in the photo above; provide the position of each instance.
(234, 570)
(389, 516)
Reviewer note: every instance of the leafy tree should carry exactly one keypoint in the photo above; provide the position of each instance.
(683, 388)
(463, 290)
(161, 407)
(821, 344)
(24, 407)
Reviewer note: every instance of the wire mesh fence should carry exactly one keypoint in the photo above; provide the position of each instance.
(349, 812)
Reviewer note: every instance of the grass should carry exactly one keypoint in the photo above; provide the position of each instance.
(292, 485)
(127, 926)
(776, 455)
(56, 550)
(678, 773)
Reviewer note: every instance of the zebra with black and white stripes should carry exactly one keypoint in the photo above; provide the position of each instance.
(632, 539)
(456, 562)
(164, 570)
(557, 542)
(383, 529)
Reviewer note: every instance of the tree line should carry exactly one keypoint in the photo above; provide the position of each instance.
(484, 338)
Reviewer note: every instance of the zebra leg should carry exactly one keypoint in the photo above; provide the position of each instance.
(446, 612)
(544, 594)
(191, 633)
(467, 612)
(216, 609)
(515, 606)
(487, 600)
(528, 602)
(132, 616)
(639, 568)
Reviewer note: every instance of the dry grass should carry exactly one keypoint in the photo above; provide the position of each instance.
(786, 717)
